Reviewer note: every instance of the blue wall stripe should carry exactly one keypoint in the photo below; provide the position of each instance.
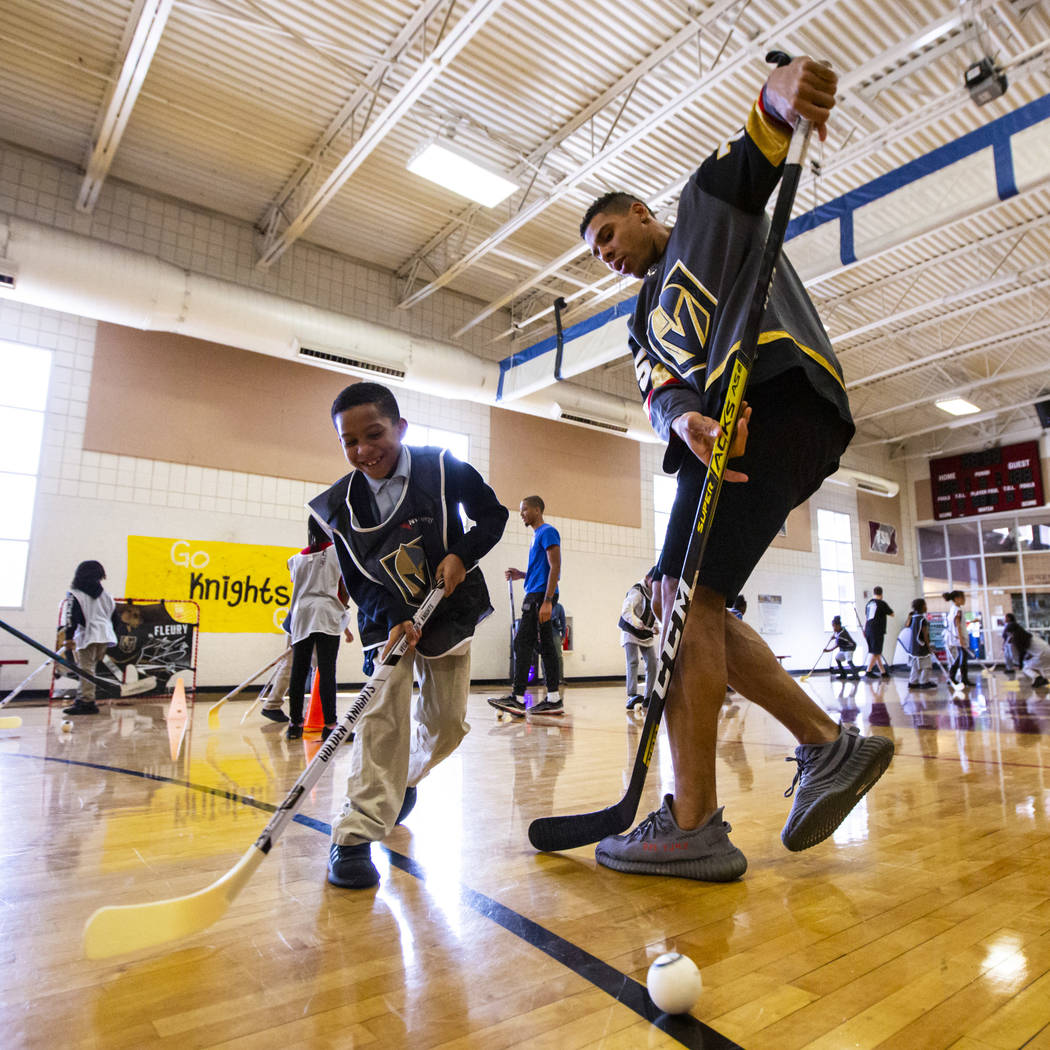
(1005, 182)
(995, 133)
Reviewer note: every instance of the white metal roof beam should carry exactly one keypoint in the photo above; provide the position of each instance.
(141, 36)
(958, 391)
(1002, 288)
(428, 71)
(645, 126)
(605, 99)
(363, 93)
(949, 424)
(852, 82)
(1027, 331)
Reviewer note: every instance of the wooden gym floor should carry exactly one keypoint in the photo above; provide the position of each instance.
(924, 923)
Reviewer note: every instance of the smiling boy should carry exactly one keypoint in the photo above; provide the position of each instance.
(397, 530)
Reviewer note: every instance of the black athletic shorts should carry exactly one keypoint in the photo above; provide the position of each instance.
(874, 639)
(795, 438)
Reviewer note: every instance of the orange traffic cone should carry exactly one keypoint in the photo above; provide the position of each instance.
(315, 716)
(177, 707)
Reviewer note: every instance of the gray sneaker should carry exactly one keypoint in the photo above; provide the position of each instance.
(658, 846)
(547, 707)
(830, 780)
(509, 704)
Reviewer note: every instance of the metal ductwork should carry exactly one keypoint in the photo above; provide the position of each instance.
(871, 483)
(70, 273)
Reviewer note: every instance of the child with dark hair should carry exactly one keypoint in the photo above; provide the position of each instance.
(1009, 656)
(956, 637)
(87, 630)
(919, 661)
(1031, 652)
(639, 635)
(843, 641)
(315, 620)
(398, 532)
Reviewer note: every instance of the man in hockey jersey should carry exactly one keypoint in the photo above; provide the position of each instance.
(698, 278)
(397, 530)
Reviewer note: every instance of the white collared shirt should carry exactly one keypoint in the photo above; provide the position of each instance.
(387, 491)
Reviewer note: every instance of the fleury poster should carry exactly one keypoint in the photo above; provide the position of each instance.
(156, 643)
(240, 587)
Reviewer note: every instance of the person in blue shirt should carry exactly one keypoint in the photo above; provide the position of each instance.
(541, 593)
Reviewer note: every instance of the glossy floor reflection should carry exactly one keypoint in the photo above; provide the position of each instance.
(923, 923)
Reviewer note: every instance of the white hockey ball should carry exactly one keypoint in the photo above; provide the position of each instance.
(674, 983)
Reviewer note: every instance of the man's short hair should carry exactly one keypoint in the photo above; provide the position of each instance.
(535, 501)
(876, 590)
(367, 394)
(618, 201)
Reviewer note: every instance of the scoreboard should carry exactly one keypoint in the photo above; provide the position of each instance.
(988, 482)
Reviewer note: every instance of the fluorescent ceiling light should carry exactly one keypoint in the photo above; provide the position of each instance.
(460, 175)
(957, 406)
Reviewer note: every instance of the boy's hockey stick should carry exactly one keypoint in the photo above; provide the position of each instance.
(102, 683)
(25, 681)
(567, 832)
(510, 591)
(809, 674)
(213, 711)
(116, 929)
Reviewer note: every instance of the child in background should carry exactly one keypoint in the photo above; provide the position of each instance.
(957, 638)
(639, 631)
(88, 629)
(1031, 652)
(919, 661)
(315, 620)
(843, 641)
(1009, 656)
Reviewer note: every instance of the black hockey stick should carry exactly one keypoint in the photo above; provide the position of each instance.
(102, 683)
(510, 591)
(567, 832)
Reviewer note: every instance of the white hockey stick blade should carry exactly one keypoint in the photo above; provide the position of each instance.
(10, 722)
(251, 710)
(213, 711)
(121, 928)
(25, 681)
(140, 685)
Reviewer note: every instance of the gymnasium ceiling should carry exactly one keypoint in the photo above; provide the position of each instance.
(300, 115)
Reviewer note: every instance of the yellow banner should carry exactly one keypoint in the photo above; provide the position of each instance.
(240, 587)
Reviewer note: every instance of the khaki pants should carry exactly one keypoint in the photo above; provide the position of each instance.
(281, 674)
(396, 747)
(87, 659)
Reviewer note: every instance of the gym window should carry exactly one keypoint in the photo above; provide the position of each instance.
(835, 536)
(23, 398)
(663, 499)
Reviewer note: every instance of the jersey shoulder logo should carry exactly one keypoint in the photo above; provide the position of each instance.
(681, 320)
(407, 567)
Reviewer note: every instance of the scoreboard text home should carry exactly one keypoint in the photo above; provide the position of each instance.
(988, 482)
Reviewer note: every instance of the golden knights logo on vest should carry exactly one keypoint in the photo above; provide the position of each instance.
(407, 568)
(402, 553)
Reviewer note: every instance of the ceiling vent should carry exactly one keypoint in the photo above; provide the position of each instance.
(353, 365)
(598, 424)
